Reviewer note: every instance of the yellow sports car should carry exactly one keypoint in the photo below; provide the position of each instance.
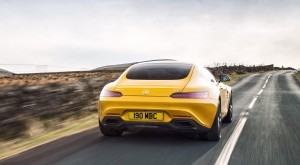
(164, 95)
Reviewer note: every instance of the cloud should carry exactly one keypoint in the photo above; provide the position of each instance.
(93, 33)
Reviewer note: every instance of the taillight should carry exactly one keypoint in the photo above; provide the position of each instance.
(190, 95)
(106, 93)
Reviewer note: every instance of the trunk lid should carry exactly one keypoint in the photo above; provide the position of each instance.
(150, 88)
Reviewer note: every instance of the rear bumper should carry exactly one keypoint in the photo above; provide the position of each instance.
(200, 111)
(177, 125)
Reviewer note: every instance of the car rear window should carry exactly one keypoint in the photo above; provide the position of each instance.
(159, 71)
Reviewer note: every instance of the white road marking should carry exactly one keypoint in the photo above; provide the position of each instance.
(224, 157)
(260, 92)
(269, 75)
(227, 150)
(252, 102)
(244, 113)
(266, 82)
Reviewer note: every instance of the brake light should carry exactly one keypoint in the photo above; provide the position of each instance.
(190, 95)
(106, 93)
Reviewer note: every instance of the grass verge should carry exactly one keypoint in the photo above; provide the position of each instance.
(235, 77)
(68, 128)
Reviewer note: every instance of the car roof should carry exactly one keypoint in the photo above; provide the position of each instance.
(169, 62)
(164, 62)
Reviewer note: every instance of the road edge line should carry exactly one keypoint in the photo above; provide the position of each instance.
(230, 144)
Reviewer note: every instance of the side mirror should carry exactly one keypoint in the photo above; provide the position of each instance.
(224, 78)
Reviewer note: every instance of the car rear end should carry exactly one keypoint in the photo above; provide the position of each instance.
(157, 96)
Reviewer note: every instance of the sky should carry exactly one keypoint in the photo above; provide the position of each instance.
(61, 35)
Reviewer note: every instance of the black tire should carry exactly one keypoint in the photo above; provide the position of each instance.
(228, 117)
(107, 131)
(214, 134)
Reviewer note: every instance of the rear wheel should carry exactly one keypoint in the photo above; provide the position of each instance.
(107, 131)
(228, 117)
(214, 134)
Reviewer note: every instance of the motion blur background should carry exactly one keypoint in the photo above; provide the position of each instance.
(73, 35)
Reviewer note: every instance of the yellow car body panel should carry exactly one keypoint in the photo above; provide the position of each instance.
(203, 111)
(154, 96)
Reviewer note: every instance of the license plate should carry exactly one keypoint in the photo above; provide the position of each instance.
(146, 115)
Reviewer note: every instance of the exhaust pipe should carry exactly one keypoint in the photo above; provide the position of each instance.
(184, 124)
(112, 122)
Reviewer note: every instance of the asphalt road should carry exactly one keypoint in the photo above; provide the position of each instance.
(265, 130)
